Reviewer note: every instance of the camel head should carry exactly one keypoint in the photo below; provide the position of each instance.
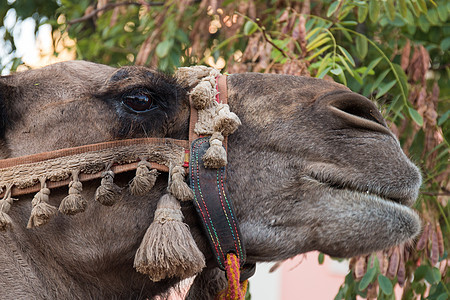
(312, 167)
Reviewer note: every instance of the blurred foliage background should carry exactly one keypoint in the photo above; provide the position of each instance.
(395, 52)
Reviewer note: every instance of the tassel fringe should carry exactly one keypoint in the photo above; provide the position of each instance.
(168, 248)
(216, 156)
(108, 192)
(225, 121)
(42, 211)
(144, 180)
(5, 206)
(178, 187)
(74, 202)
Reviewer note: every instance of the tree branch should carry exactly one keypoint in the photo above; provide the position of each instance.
(110, 6)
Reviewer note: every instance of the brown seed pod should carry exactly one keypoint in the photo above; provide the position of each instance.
(380, 256)
(352, 262)
(360, 267)
(434, 255)
(407, 253)
(440, 240)
(422, 242)
(372, 290)
(385, 263)
(401, 272)
(393, 263)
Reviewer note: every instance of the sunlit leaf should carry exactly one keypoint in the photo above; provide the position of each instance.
(322, 50)
(403, 8)
(317, 39)
(347, 55)
(423, 6)
(346, 66)
(163, 48)
(362, 13)
(337, 70)
(349, 23)
(342, 78)
(312, 32)
(319, 43)
(332, 8)
(324, 63)
(374, 10)
(390, 8)
(250, 27)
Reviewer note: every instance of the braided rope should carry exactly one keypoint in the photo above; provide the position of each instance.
(235, 290)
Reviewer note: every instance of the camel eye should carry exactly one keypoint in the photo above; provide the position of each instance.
(137, 102)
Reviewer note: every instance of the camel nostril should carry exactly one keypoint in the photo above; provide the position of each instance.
(358, 111)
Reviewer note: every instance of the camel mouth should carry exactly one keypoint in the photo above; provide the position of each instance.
(363, 190)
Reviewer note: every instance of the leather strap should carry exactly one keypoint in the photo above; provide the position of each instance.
(214, 206)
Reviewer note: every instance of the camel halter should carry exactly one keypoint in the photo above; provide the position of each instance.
(167, 249)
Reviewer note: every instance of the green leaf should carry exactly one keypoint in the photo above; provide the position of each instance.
(419, 121)
(324, 72)
(163, 48)
(402, 78)
(312, 32)
(432, 16)
(342, 78)
(423, 6)
(318, 44)
(379, 80)
(443, 118)
(374, 10)
(370, 67)
(349, 23)
(367, 279)
(385, 284)
(316, 40)
(332, 8)
(443, 296)
(324, 63)
(403, 8)
(321, 258)
(443, 13)
(347, 67)
(361, 46)
(336, 71)
(433, 275)
(250, 27)
(318, 53)
(390, 7)
(347, 55)
(362, 13)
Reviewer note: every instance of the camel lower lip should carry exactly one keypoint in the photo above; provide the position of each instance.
(368, 193)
